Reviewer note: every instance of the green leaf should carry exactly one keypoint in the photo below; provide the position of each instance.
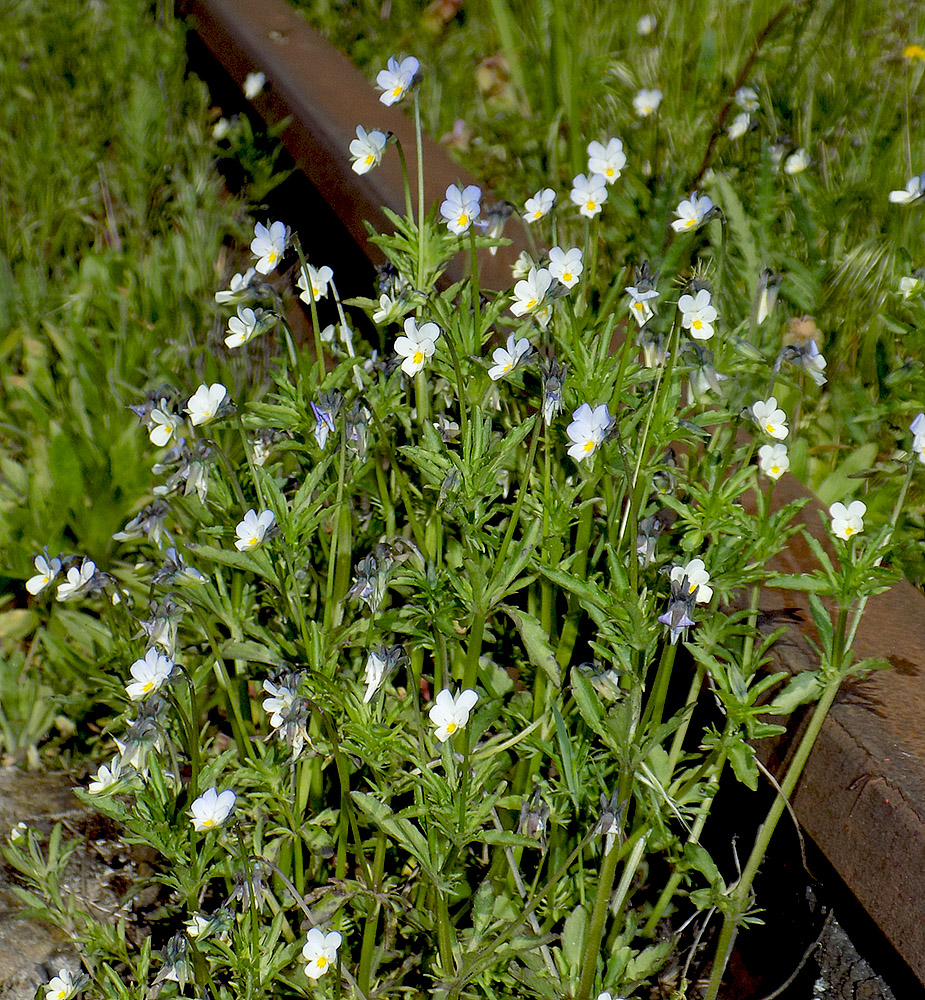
(801, 689)
(742, 758)
(573, 936)
(536, 643)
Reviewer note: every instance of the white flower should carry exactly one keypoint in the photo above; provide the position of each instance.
(149, 673)
(691, 213)
(389, 311)
(253, 529)
(417, 345)
(539, 205)
(646, 102)
(318, 279)
(607, 160)
(62, 987)
(848, 521)
(205, 403)
(449, 714)
(236, 287)
(589, 193)
(910, 285)
(587, 430)
(45, 571)
(639, 304)
(530, 291)
(320, 949)
(747, 98)
(796, 162)
(77, 580)
(106, 777)
(814, 363)
(698, 314)
(396, 79)
(242, 327)
(508, 358)
(196, 925)
(770, 419)
(211, 809)
(367, 149)
(221, 129)
(773, 460)
(913, 191)
(521, 267)
(253, 84)
(280, 701)
(374, 675)
(269, 245)
(565, 265)
(918, 442)
(697, 579)
(739, 125)
(645, 26)
(163, 427)
(461, 208)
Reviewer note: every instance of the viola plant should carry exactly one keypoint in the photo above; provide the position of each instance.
(412, 689)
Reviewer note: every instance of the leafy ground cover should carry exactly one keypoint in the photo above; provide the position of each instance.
(802, 168)
(375, 649)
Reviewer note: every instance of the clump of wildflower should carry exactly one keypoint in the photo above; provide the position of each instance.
(770, 418)
(366, 149)
(253, 85)
(320, 952)
(698, 314)
(449, 713)
(587, 430)
(253, 529)
(913, 191)
(211, 809)
(539, 205)
(773, 460)
(608, 161)
(45, 571)
(206, 403)
(269, 245)
(395, 80)
(508, 358)
(847, 521)
(589, 193)
(417, 345)
(149, 673)
(691, 212)
(646, 102)
(565, 265)
(530, 292)
(461, 208)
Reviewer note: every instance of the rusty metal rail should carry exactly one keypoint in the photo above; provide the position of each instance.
(862, 797)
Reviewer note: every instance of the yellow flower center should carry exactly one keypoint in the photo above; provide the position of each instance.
(690, 222)
(463, 220)
(451, 727)
(148, 687)
(589, 447)
(418, 357)
(273, 256)
(531, 303)
(590, 205)
(208, 822)
(567, 276)
(775, 470)
(369, 159)
(914, 52)
(609, 171)
(697, 324)
(251, 542)
(397, 91)
(638, 306)
(848, 530)
(507, 367)
(322, 962)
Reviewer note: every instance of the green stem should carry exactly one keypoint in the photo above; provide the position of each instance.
(367, 949)
(419, 149)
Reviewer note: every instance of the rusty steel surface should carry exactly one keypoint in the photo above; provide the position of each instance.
(862, 795)
(326, 97)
